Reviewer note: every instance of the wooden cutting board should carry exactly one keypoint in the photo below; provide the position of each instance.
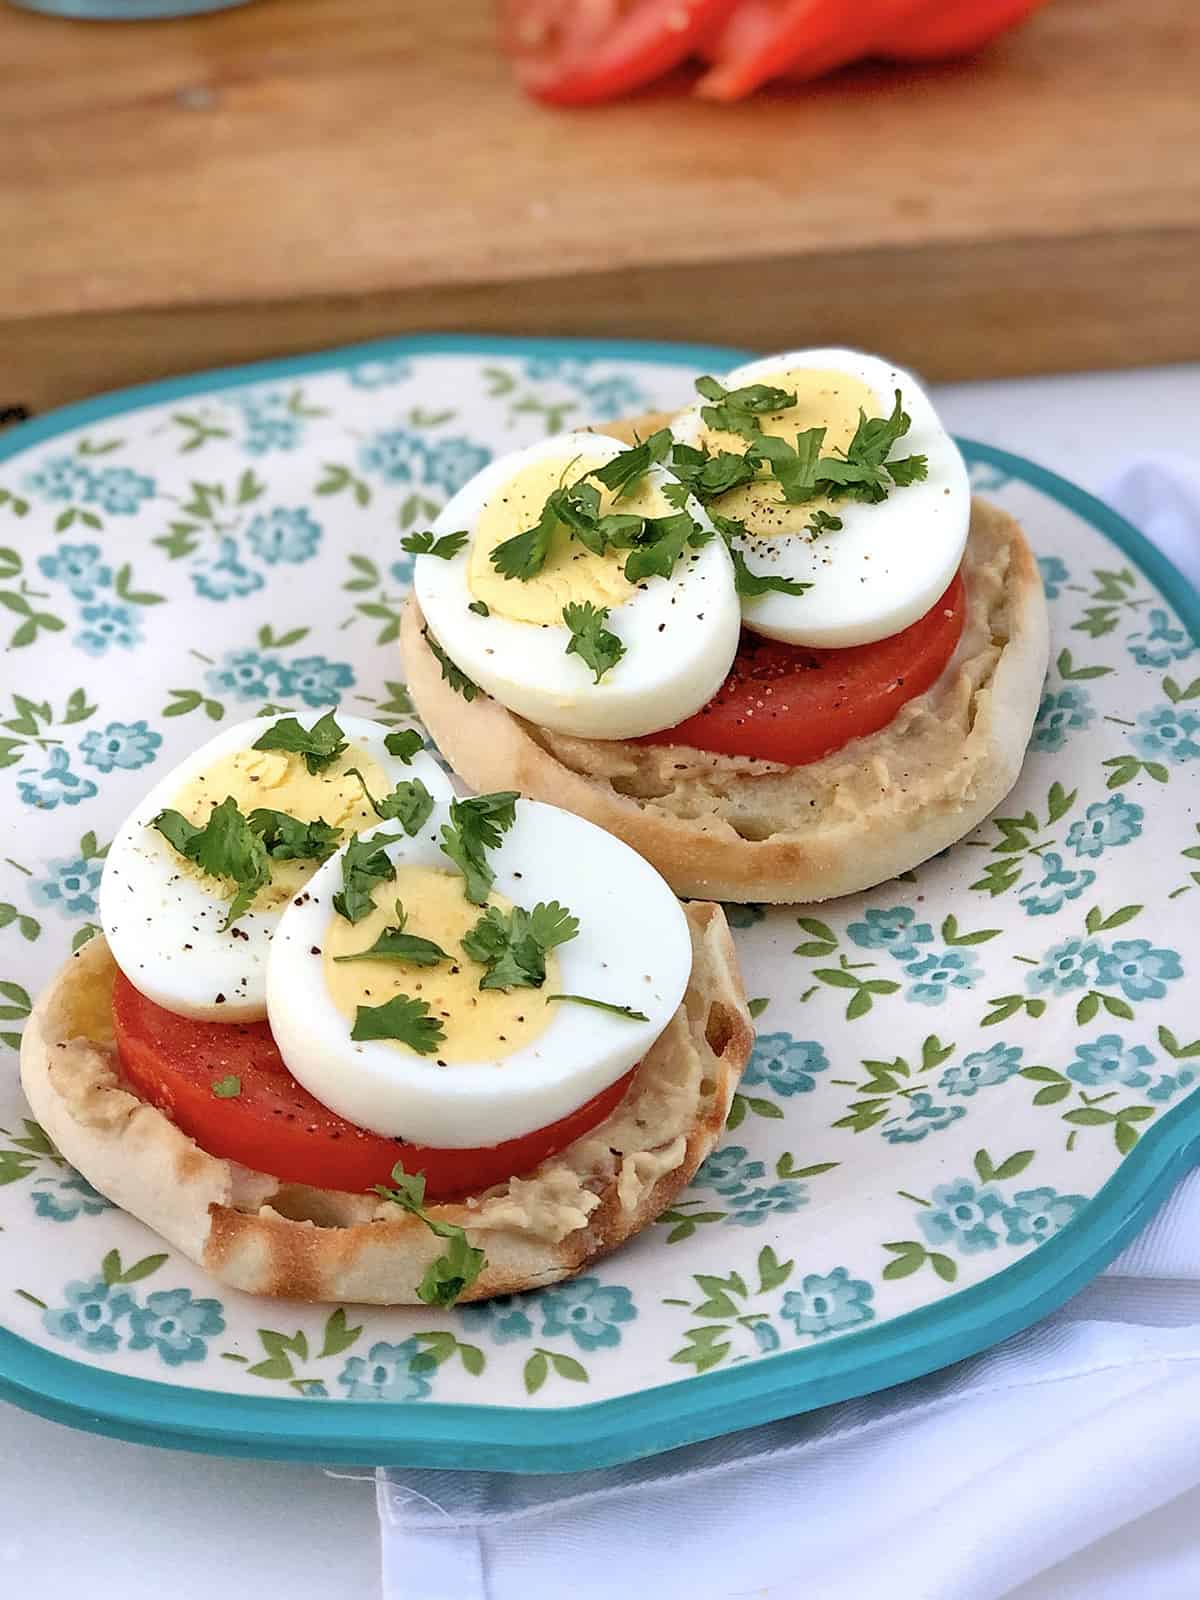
(303, 172)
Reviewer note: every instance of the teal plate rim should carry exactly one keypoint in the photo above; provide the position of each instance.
(608, 1432)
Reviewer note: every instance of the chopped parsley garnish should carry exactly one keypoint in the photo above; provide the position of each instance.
(286, 838)
(750, 584)
(404, 744)
(524, 555)
(823, 522)
(447, 1278)
(453, 675)
(734, 410)
(661, 544)
(227, 1088)
(513, 945)
(590, 639)
(409, 803)
(393, 944)
(365, 865)
(480, 608)
(425, 544)
(625, 471)
(601, 1005)
(705, 475)
(403, 1018)
(863, 473)
(319, 745)
(225, 847)
(475, 827)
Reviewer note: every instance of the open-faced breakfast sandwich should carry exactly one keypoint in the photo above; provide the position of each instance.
(346, 1037)
(770, 642)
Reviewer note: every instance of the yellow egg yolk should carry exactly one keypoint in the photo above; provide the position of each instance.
(281, 782)
(571, 574)
(479, 1024)
(829, 400)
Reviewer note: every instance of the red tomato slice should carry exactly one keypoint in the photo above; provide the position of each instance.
(788, 703)
(794, 38)
(949, 29)
(573, 52)
(275, 1126)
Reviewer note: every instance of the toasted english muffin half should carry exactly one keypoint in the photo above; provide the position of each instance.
(733, 828)
(263, 1236)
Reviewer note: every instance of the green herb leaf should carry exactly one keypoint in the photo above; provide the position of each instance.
(409, 803)
(524, 555)
(319, 745)
(226, 847)
(227, 1088)
(447, 1278)
(404, 744)
(480, 608)
(795, 468)
(590, 639)
(822, 522)
(601, 1005)
(393, 944)
(364, 865)
(706, 475)
(623, 472)
(403, 1018)
(286, 838)
(425, 544)
(735, 410)
(453, 675)
(660, 545)
(751, 584)
(475, 827)
(512, 945)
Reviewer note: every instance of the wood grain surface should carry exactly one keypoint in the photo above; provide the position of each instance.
(301, 172)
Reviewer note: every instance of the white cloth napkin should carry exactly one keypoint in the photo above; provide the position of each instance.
(959, 1486)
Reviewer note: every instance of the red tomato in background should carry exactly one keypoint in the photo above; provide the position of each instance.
(572, 52)
(939, 29)
(792, 704)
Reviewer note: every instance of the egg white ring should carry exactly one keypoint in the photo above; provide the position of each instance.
(906, 548)
(671, 667)
(164, 926)
(633, 948)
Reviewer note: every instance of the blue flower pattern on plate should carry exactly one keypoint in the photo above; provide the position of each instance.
(961, 1215)
(284, 535)
(1038, 1214)
(1172, 1083)
(64, 1199)
(1054, 575)
(128, 745)
(45, 786)
(749, 1207)
(1160, 644)
(923, 1116)
(80, 567)
(939, 974)
(828, 1303)
(91, 1316)
(247, 675)
(981, 1069)
(108, 624)
(1108, 1061)
(1065, 967)
(272, 418)
(176, 1325)
(896, 931)
(119, 490)
(1059, 714)
(59, 478)
(395, 454)
(1105, 825)
(1167, 734)
(226, 577)
(587, 1310)
(69, 886)
(729, 1171)
(504, 1317)
(1057, 885)
(385, 1373)
(379, 374)
(1139, 970)
(784, 1064)
(318, 682)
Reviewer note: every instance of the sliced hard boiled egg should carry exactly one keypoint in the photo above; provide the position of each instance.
(890, 561)
(678, 633)
(164, 918)
(507, 1062)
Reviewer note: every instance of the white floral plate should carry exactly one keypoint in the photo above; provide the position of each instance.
(971, 1084)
